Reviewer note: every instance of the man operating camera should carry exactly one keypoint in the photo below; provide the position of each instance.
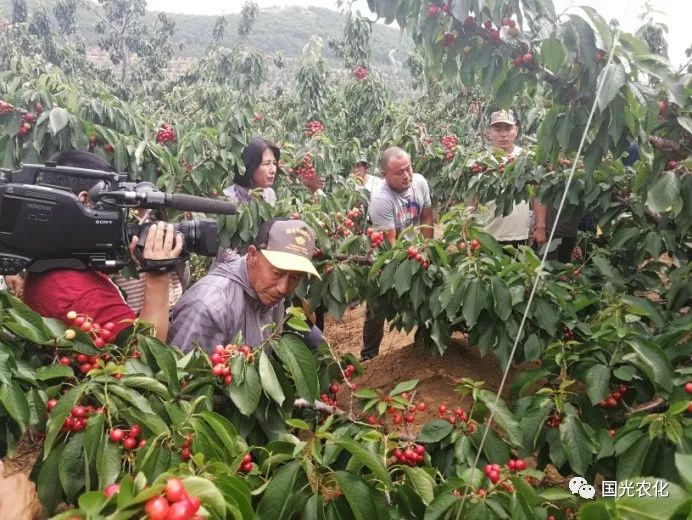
(55, 292)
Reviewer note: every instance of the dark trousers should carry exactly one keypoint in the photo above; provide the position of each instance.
(373, 332)
(563, 252)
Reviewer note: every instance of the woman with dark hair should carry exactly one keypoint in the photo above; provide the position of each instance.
(260, 158)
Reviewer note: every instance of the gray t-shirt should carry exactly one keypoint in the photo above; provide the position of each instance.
(393, 210)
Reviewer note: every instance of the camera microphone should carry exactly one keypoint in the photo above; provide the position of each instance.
(145, 195)
(200, 204)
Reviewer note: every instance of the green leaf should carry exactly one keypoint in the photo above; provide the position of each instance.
(46, 482)
(54, 371)
(502, 298)
(71, 468)
(683, 463)
(577, 444)
(146, 383)
(300, 363)
(15, 402)
(59, 117)
(108, 463)
(131, 396)
(546, 316)
(404, 386)
(475, 300)
(434, 431)
(654, 362)
(358, 495)
(501, 415)
(207, 493)
(440, 506)
(422, 482)
(613, 77)
(246, 395)
(402, 277)
(553, 54)
(270, 383)
(664, 192)
(367, 458)
(631, 461)
(163, 358)
(365, 393)
(59, 414)
(647, 507)
(273, 505)
(597, 378)
(533, 348)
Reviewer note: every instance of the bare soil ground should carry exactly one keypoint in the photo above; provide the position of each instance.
(400, 360)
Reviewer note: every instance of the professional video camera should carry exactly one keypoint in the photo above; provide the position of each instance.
(45, 226)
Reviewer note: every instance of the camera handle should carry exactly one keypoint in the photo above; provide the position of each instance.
(158, 266)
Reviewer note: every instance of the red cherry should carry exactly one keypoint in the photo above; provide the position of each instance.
(130, 443)
(442, 409)
(50, 404)
(157, 508)
(79, 411)
(520, 465)
(247, 466)
(688, 388)
(116, 435)
(111, 490)
(175, 490)
(135, 430)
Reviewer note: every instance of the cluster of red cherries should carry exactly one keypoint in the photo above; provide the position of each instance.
(174, 504)
(166, 134)
(186, 447)
(376, 237)
(450, 143)
(397, 415)
(410, 455)
(246, 464)
(329, 397)
(99, 334)
(413, 254)
(220, 360)
(456, 416)
(129, 438)
(614, 398)
(313, 127)
(306, 170)
(360, 73)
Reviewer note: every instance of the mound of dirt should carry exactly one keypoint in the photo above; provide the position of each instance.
(400, 360)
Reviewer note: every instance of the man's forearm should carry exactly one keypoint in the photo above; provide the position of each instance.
(155, 307)
(540, 213)
(427, 223)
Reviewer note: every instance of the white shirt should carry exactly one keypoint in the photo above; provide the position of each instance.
(513, 227)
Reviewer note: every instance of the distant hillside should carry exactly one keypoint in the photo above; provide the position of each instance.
(278, 29)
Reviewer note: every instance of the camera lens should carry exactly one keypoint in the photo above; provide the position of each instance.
(200, 236)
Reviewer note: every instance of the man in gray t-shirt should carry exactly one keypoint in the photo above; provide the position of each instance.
(401, 201)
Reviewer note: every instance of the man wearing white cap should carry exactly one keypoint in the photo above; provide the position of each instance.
(244, 294)
(514, 228)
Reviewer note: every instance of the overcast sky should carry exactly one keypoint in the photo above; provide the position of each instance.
(677, 13)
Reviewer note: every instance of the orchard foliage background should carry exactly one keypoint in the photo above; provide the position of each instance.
(607, 392)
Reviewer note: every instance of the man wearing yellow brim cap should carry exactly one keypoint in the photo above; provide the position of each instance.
(244, 294)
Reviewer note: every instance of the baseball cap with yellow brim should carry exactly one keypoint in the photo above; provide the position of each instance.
(290, 246)
(503, 116)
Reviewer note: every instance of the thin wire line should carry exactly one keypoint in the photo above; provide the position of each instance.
(616, 41)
